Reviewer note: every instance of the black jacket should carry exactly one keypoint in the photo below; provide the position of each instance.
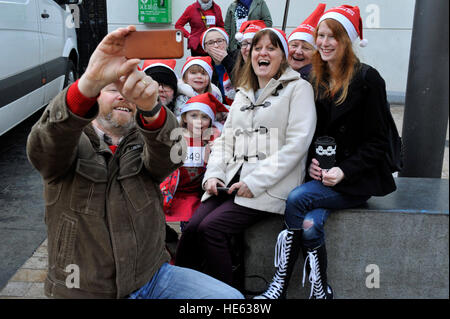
(359, 127)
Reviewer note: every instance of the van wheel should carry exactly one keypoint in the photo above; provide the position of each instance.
(71, 74)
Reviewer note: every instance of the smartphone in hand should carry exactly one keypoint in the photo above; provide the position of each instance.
(225, 190)
(154, 44)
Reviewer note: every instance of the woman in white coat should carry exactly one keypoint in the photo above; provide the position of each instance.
(260, 156)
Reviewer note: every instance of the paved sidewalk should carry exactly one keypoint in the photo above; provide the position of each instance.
(28, 282)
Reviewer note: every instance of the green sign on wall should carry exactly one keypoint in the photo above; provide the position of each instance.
(155, 11)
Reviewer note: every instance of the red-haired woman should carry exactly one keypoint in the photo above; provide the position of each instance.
(351, 107)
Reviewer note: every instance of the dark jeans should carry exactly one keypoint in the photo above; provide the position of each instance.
(205, 243)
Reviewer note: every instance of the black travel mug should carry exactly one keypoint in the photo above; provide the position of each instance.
(325, 151)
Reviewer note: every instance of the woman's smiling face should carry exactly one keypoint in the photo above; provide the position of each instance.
(266, 60)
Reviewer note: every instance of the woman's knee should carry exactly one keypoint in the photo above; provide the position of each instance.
(313, 232)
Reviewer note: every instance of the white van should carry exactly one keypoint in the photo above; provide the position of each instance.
(38, 56)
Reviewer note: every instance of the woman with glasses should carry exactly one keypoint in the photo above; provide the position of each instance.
(215, 42)
(260, 156)
(245, 36)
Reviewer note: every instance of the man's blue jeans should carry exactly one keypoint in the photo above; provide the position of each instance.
(172, 282)
(308, 207)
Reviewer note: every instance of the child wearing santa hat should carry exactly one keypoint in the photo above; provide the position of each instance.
(182, 190)
(352, 108)
(195, 79)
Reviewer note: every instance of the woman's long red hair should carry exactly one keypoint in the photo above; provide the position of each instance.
(334, 84)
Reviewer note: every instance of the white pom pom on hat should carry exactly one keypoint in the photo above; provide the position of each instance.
(363, 43)
(350, 18)
(239, 36)
(248, 29)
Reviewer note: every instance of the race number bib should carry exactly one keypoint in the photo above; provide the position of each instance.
(211, 20)
(195, 156)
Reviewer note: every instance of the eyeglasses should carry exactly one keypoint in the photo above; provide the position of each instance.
(245, 44)
(212, 42)
(165, 87)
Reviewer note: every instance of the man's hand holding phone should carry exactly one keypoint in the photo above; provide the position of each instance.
(108, 63)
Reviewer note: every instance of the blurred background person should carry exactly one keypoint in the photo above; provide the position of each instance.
(163, 72)
(201, 15)
(240, 11)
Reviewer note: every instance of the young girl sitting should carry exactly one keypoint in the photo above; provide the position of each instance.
(182, 190)
(196, 79)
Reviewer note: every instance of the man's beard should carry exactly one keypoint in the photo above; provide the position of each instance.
(111, 124)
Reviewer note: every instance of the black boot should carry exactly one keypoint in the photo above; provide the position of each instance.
(286, 253)
(317, 262)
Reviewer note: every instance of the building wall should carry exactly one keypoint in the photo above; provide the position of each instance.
(387, 26)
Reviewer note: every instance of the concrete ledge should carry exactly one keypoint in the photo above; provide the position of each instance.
(405, 234)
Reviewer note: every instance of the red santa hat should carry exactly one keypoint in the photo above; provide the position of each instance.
(282, 36)
(248, 29)
(220, 30)
(305, 31)
(350, 19)
(207, 103)
(204, 61)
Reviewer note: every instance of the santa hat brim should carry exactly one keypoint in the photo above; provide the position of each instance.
(200, 62)
(282, 39)
(225, 35)
(197, 106)
(302, 36)
(344, 21)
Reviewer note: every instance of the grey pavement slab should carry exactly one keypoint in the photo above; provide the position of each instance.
(22, 227)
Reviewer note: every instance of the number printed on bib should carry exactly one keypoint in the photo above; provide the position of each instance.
(210, 20)
(195, 156)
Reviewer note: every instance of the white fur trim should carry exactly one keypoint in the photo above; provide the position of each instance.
(302, 36)
(346, 23)
(283, 41)
(197, 106)
(218, 30)
(200, 62)
(248, 35)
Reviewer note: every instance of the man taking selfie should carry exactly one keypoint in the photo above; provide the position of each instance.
(102, 147)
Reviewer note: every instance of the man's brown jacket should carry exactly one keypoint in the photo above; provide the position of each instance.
(103, 211)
